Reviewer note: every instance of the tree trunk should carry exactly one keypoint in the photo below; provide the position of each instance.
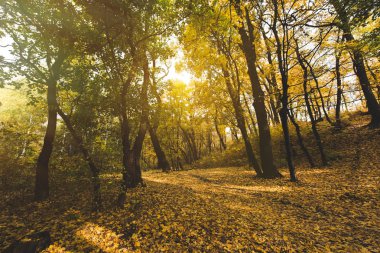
(190, 139)
(137, 149)
(358, 63)
(300, 140)
(41, 191)
(282, 63)
(221, 139)
(273, 87)
(253, 123)
(308, 107)
(373, 74)
(234, 134)
(131, 157)
(317, 106)
(288, 145)
(339, 91)
(319, 93)
(162, 162)
(241, 123)
(86, 154)
(248, 47)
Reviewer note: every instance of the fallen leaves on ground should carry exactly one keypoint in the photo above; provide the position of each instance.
(331, 209)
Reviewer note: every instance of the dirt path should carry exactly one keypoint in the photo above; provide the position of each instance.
(335, 208)
(325, 210)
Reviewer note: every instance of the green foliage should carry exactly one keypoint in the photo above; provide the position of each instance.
(21, 129)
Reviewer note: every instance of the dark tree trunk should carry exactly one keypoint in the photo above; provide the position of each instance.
(288, 145)
(86, 154)
(273, 109)
(282, 63)
(308, 107)
(253, 123)
(136, 151)
(209, 142)
(315, 108)
(221, 139)
(241, 123)
(234, 134)
(131, 174)
(161, 157)
(375, 79)
(373, 105)
(162, 162)
(345, 102)
(273, 87)
(190, 139)
(300, 140)
(41, 190)
(128, 170)
(248, 47)
(358, 63)
(339, 92)
(319, 93)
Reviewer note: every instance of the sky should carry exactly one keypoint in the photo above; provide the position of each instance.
(5, 47)
(174, 74)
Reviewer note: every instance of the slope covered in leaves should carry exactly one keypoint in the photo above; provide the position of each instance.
(334, 208)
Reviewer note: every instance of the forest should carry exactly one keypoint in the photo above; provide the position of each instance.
(189, 126)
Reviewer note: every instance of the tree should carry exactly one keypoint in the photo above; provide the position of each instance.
(308, 105)
(153, 123)
(248, 47)
(341, 7)
(282, 49)
(43, 40)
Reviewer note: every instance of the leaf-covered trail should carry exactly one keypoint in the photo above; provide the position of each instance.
(323, 211)
(222, 210)
(227, 210)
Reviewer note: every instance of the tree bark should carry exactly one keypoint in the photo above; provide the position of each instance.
(131, 174)
(373, 74)
(300, 140)
(358, 63)
(96, 203)
(221, 139)
(273, 87)
(282, 64)
(339, 91)
(41, 190)
(241, 123)
(253, 123)
(162, 162)
(319, 92)
(190, 139)
(308, 107)
(248, 47)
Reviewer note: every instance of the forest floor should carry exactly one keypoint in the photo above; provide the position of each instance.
(331, 209)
